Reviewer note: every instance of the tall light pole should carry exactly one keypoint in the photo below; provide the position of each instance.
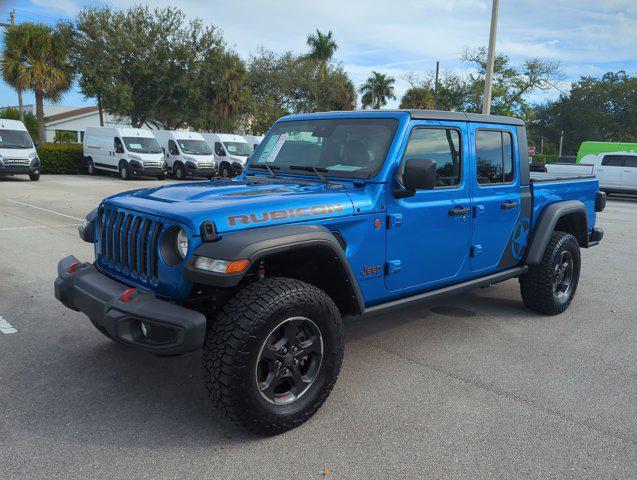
(488, 79)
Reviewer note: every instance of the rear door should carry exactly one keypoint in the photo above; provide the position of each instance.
(629, 173)
(428, 233)
(496, 194)
(609, 173)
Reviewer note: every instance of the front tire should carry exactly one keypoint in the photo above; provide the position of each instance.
(550, 286)
(124, 171)
(34, 177)
(225, 171)
(90, 167)
(273, 354)
(179, 171)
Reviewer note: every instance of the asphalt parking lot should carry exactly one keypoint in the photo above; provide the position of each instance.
(471, 386)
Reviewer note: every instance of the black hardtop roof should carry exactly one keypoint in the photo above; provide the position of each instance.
(445, 115)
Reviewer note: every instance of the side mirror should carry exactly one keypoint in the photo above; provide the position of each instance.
(419, 174)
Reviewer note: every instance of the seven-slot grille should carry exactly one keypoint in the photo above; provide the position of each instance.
(129, 243)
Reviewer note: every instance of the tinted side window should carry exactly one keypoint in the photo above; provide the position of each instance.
(494, 157)
(219, 149)
(172, 148)
(630, 161)
(119, 148)
(613, 160)
(441, 145)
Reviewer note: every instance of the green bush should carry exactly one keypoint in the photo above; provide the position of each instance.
(67, 158)
(540, 158)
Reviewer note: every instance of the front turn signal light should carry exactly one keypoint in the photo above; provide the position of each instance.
(221, 266)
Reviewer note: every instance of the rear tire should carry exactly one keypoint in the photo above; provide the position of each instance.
(550, 286)
(34, 177)
(262, 363)
(124, 171)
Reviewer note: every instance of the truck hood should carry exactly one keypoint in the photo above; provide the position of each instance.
(239, 204)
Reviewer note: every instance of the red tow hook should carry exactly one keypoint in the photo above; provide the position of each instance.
(128, 295)
(74, 266)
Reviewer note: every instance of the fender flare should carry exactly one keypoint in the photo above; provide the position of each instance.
(254, 244)
(546, 225)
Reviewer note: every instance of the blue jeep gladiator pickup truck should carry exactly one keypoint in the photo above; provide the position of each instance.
(336, 214)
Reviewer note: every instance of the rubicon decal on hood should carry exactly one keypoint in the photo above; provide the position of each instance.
(278, 215)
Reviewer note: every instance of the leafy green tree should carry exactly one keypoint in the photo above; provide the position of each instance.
(28, 119)
(418, 97)
(153, 66)
(36, 57)
(595, 108)
(64, 136)
(284, 84)
(377, 90)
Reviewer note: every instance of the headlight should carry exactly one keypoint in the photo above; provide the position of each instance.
(182, 243)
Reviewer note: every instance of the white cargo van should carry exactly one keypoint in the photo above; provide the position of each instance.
(187, 154)
(231, 152)
(17, 153)
(125, 151)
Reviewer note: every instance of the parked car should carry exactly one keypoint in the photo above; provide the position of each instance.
(17, 153)
(253, 141)
(337, 214)
(187, 154)
(596, 148)
(123, 151)
(231, 152)
(616, 172)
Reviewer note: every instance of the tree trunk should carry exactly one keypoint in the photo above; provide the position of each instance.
(99, 108)
(39, 113)
(20, 111)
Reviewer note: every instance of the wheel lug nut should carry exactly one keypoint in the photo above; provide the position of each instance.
(284, 351)
(294, 349)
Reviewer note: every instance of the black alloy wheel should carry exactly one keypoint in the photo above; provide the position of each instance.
(289, 360)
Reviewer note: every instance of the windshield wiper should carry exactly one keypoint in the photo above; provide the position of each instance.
(269, 168)
(318, 171)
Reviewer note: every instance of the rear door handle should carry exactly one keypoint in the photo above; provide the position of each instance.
(456, 211)
(509, 204)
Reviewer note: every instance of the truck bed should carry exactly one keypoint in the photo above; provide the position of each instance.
(537, 177)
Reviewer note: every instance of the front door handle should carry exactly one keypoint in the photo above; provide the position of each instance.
(509, 204)
(456, 211)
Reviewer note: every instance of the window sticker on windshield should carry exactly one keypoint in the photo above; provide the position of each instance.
(134, 146)
(277, 148)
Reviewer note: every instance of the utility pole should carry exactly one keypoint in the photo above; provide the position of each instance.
(9, 25)
(488, 79)
(436, 86)
(561, 141)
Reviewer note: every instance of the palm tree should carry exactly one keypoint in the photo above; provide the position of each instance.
(322, 48)
(36, 57)
(377, 90)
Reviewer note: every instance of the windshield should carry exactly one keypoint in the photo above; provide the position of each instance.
(339, 147)
(194, 147)
(141, 145)
(238, 148)
(15, 139)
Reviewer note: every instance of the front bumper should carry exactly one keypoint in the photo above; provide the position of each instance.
(169, 329)
(193, 171)
(20, 169)
(151, 172)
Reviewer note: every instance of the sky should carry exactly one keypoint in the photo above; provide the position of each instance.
(587, 37)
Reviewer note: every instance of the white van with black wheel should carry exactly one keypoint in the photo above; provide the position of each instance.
(187, 154)
(17, 153)
(231, 152)
(124, 151)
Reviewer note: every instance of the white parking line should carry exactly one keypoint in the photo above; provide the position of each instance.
(39, 226)
(6, 327)
(44, 209)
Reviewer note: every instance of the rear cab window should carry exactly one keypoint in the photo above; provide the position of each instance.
(494, 157)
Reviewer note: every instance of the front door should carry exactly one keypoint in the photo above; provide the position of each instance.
(428, 234)
(609, 173)
(498, 223)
